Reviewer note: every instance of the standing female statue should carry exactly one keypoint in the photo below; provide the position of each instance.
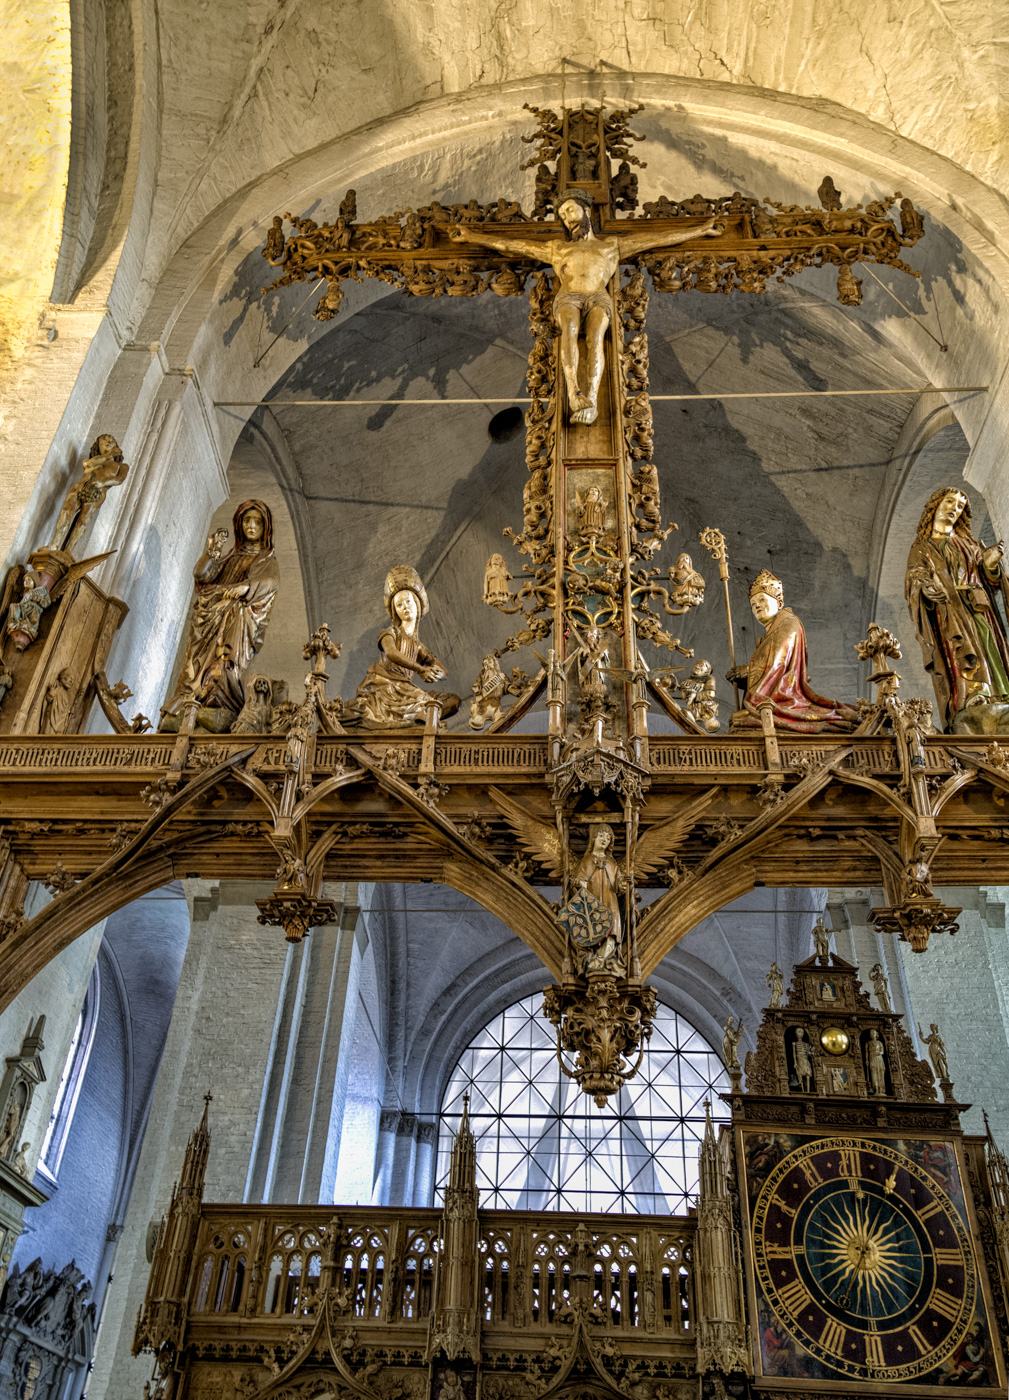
(951, 587)
(234, 596)
(389, 695)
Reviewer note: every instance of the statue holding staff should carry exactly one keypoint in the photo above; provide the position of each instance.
(952, 586)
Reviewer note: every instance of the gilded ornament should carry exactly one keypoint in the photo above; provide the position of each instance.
(834, 1040)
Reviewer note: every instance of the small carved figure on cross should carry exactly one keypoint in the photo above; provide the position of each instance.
(584, 265)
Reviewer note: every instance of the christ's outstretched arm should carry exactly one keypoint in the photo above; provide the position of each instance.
(516, 247)
(631, 244)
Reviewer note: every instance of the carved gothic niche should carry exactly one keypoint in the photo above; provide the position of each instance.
(827, 1041)
(23, 1073)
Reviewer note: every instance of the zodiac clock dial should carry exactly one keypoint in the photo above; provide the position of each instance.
(864, 1259)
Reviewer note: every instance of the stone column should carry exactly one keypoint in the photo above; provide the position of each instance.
(219, 1040)
(962, 984)
(301, 1114)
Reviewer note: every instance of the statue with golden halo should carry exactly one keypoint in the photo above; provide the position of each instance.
(389, 695)
(952, 586)
(776, 675)
(235, 593)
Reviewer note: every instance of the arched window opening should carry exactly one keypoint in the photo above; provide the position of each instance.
(68, 1090)
(543, 1145)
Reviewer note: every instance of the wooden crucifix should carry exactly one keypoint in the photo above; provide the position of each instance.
(591, 513)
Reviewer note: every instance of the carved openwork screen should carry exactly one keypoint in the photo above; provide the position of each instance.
(543, 1145)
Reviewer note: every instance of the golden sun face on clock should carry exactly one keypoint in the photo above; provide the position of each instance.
(865, 1263)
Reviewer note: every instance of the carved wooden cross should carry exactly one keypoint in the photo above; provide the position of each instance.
(591, 517)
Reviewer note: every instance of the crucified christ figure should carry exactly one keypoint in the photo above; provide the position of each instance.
(584, 265)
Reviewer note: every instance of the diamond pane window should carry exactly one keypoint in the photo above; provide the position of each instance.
(543, 1145)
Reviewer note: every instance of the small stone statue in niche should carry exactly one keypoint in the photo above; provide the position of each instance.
(104, 468)
(235, 593)
(875, 1063)
(776, 983)
(952, 586)
(803, 1061)
(389, 695)
(776, 675)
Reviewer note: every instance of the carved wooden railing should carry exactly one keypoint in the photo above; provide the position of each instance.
(258, 1268)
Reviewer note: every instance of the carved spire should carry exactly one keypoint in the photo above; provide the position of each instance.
(462, 1169)
(162, 1318)
(194, 1167)
(455, 1326)
(721, 1335)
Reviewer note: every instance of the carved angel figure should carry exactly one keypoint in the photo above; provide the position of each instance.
(488, 690)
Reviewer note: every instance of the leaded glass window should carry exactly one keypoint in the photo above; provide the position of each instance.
(543, 1145)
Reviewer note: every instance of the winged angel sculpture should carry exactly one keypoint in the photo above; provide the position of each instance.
(593, 913)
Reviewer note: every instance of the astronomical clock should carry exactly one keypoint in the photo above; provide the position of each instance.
(870, 1254)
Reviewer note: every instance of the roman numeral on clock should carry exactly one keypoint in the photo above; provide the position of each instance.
(927, 1212)
(919, 1340)
(850, 1163)
(782, 1251)
(949, 1258)
(810, 1173)
(833, 1337)
(794, 1296)
(945, 1305)
(874, 1351)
